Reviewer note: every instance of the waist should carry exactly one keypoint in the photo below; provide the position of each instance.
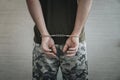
(57, 40)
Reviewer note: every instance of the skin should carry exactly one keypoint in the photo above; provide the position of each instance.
(72, 43)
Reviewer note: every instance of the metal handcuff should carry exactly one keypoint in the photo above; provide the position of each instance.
(59, 35)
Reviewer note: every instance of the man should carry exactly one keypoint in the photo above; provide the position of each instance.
(59, 38)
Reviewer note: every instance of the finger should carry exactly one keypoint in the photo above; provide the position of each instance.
(46, 48)
(71, 52)
(54, 49)
(65, 48)
(72, 49)
(51, 55)
(70, 55)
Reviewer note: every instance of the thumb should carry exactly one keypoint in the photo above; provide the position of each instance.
(54, 49)
(46, 48)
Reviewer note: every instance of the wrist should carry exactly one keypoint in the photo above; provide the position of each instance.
(75, 35)
(45, 36)
(76, 32)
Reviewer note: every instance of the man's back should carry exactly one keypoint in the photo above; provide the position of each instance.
(59, 17)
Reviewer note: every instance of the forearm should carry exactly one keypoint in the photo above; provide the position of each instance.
(83, 10)
(37, 15)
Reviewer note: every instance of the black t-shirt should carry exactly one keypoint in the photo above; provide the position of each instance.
(59, 16)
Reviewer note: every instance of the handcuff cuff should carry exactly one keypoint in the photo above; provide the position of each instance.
(59, 35)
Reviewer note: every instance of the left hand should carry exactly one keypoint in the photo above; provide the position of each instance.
(71, 46)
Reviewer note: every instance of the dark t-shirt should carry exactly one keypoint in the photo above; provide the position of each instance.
(59, 17)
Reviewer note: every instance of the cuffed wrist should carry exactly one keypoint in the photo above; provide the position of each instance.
(45, 36)
(75, 36)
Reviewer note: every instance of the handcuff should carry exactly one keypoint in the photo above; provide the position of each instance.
(59, 35)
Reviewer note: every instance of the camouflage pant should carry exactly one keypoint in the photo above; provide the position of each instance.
(72, 68)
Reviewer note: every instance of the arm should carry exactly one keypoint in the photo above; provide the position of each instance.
(37, 15)
(72, 43)
(47, 43)
(83, 10)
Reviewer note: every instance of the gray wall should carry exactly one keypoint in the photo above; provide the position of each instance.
(102, 36)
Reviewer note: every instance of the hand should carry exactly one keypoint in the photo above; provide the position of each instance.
(48, 47)
(71, 46)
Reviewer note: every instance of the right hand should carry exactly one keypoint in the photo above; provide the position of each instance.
(48, 47)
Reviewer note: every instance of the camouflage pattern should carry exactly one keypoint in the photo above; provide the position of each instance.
(72, 68)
